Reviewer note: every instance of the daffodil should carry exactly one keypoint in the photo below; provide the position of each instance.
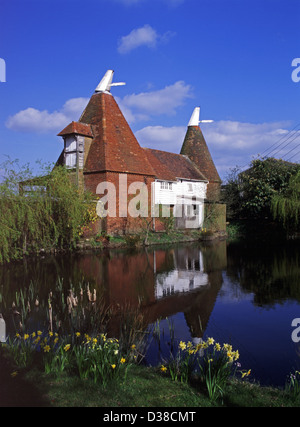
(217, 346)
(122, 360)
(88, 338)
(47, 348)
(113, 366)
(210, 341)
(246, 374)
(236, 355)
(67, 347)
(163, 368)
(182, 345)
(227, 347)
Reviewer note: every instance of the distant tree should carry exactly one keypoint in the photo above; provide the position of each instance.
(249, 194)
(286, 204)
(231, 194)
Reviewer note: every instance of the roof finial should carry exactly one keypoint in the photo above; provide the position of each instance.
(106, 82)
(195, 118)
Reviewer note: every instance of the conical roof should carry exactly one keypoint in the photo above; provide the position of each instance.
(114, 146)
(194, 146)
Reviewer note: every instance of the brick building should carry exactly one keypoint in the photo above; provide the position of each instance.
(104, 156)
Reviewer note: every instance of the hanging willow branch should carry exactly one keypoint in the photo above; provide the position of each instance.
(286, 206)
(45, 212)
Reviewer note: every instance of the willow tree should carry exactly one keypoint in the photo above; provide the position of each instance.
(39, 212)
(286, 205)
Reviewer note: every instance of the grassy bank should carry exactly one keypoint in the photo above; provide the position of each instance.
(157, 238)
(144, 387)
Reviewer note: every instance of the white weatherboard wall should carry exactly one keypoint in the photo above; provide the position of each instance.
(169, 193)
(186, 196)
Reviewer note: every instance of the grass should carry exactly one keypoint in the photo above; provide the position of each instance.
(144, 387)
(154, 238)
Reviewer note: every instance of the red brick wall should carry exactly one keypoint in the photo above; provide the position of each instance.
(115, 223)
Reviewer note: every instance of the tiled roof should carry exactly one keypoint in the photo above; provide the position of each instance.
(114, 146)
(195, 147)
(169, 166)
(79, 128)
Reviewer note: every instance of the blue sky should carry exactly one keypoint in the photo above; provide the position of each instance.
(233, 58)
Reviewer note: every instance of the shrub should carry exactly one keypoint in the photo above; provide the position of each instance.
(43, 212)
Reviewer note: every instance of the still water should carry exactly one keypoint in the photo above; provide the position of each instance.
(245, 294)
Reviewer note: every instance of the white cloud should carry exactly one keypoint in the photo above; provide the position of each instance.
(231, 143)
(243, 136)
(135, 107)
(158, 102)
(161, 137)
(236, 144)
(33, 120)
(143, 36)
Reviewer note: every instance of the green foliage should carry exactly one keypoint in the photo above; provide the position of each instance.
(286, 204)
(21, 349)
(249, 194)
(96, 358)
(214, 363)
(166, 216)
(292, 386)
(42, 212)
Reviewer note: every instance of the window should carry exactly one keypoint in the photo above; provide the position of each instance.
(74, 146)
(70, 160)
(70, 144)
(165, 185)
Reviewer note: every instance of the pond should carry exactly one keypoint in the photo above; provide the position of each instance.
(246, 294)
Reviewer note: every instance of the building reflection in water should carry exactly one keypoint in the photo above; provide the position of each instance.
(187, 275)
(161, 282)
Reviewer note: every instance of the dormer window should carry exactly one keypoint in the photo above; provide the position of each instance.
(73, 150)
(75, 136)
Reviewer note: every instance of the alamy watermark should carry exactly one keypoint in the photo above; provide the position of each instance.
(2, 71)
(296, 331)
(296, 71)
(123, 200)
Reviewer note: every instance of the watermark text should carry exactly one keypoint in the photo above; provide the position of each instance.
(2, 71)
(296, 331)
(296, 71)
